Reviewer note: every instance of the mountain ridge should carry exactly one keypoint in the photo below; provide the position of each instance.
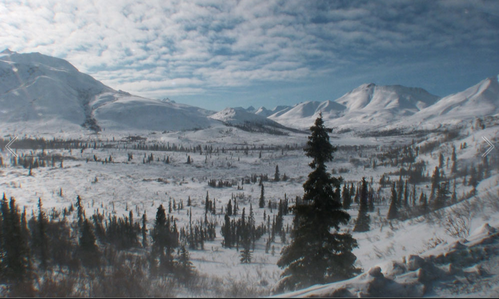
(41, 90)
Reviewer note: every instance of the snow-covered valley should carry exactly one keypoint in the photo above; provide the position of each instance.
(119, 186)
(74, 137)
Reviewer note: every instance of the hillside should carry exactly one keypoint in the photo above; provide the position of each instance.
(477, 101)
(39, 92)
(249, 121)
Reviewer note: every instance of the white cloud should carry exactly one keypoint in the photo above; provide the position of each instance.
(140, 46)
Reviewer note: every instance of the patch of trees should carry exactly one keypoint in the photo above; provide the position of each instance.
(89, 251)
(221, 183)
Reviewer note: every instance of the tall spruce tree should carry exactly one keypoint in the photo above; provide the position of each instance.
(347, 199)
(473, 179)
(363, 219)
(435, 180)
(442, 196)
(79, 209)
(393, 211)
(144, 230)
(185, 266)
(316, 255)
(41, 237)
(261, 202)
(454, 161)
(423, 201)
(88, 250)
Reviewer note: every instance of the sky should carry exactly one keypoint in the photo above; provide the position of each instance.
(217, 53)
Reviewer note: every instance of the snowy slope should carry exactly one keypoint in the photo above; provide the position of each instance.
(419, 258)
(263, 112)
(479, 100)
(277, 110)
(35, 87)
(299, 116)
(248, 121)
(399, 99)
(133, 112)
(47, 93)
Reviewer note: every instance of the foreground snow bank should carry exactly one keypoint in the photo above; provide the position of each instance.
(454, 269)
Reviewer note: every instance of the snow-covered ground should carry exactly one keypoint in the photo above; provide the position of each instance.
(371, 123)
(142, 187)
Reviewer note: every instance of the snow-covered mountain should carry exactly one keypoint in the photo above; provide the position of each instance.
(479, 100)
(367, 104)
(43, 92)
(40, 92)
(262, 111)
(277, 110)
(371, 98)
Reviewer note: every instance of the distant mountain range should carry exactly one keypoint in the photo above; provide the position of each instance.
(374, 106)
(47, 93)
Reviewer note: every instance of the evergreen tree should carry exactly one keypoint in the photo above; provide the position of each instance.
(79, 210)
(277, 175)
(159, 233)
(246, 253)
(370, 196)
(144, 230)
(423, 201)
(441, 161)
(227, 232)
(251, 217)
(316, 255)
(229, 208)
(89, 252)
(400, 192)
(186, 268)
(363, 219)
(42, 238)
(454, 161)
(473, 179)
(435, 180)
(165, 237)
(414, 195)
(406, 195)
(442, 196)
(261, 202)
(393, 211)
(454, 194)
(351, 192)
(347, 199)
(486, 167)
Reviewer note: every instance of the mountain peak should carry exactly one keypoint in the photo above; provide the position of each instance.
(7, 51)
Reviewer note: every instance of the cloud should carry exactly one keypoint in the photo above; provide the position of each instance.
(143, 46)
